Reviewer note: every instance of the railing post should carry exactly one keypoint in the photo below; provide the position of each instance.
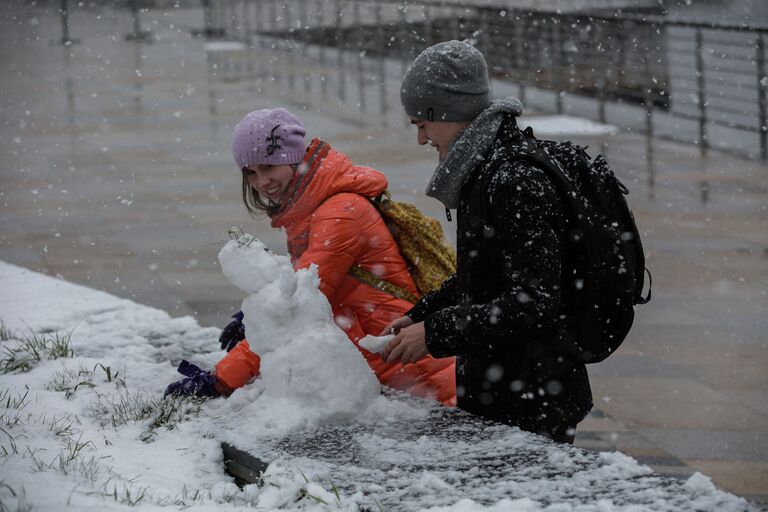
(246, 23)
(321, 51)
(207, 21)
(290, 42)
(357, 28)
(762, 95)
(340, 48)
(220, 18)
(604, 80)
(275, 69)
(649, 156)
(404, 55)
(382, 44)
(429, 28)
(484, 39)
(304, 38)
(701, 88)
(136, 21)
(232, 22)
(272, 21)
(520, 33)
(64, 9)
(259, 10)
(137, 34)
(403, 36)
(559, 63)
(249, 32)
(457, 25)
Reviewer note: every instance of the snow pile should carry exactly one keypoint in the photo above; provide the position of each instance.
(83, 420)
(223, 46)
(305, 356)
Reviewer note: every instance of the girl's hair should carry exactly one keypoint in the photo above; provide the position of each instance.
(254, 203)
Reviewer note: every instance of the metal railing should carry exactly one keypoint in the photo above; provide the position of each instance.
(696, 82)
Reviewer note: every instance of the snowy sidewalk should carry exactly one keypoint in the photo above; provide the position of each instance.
(84, 425)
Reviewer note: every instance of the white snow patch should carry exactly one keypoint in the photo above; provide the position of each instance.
(548, 126)
(223, 46)
(375, 344)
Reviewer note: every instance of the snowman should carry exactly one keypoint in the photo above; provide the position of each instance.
(288, 322)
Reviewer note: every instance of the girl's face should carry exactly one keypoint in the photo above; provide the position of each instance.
(270, 181)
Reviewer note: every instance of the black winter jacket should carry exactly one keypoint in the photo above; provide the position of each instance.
(500, 315)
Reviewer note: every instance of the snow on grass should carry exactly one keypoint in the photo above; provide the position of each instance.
(83, 421)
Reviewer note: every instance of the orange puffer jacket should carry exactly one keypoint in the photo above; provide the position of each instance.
(329, 222)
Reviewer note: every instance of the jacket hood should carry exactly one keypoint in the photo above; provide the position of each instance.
(324, 172)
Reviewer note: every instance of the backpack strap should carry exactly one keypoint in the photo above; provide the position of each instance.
(645, 300)
(529, 150)
(380, 284)
(370, 278)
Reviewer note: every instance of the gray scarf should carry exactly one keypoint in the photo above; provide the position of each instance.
(468, 149)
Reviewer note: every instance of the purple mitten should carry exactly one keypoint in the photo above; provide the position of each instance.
(233, 333)
(198, 382)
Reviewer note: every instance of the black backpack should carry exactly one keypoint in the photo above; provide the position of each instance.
(604, 263)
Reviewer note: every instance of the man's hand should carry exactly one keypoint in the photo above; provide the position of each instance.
(408, 345)
(397, 324)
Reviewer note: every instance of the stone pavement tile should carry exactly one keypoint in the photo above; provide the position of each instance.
(672, 403)
(592, 443)
(624, 363)
(710, 444)
(745, 478)
(632, 443)
(595, 423)
(605, 434)
(589, 433)
(680, 471)
(697, 352)
(738, 370)
(755, 397)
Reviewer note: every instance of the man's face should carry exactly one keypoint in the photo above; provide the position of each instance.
(438, 134)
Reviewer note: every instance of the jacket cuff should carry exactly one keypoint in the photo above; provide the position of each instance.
(440, 334)
(238, 367)
(418, 312)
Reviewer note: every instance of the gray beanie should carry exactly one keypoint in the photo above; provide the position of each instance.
(446, 82)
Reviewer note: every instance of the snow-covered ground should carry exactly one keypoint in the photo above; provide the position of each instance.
(83, 426)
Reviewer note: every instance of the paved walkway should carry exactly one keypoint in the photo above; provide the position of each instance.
(116, 173)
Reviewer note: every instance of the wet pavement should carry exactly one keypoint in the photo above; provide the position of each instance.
(116, 174)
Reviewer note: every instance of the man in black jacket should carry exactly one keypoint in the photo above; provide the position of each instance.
(502, 314)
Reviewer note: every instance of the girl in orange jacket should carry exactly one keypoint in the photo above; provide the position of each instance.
(322, 201)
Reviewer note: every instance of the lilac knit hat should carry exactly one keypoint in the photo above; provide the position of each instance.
(268, 137)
